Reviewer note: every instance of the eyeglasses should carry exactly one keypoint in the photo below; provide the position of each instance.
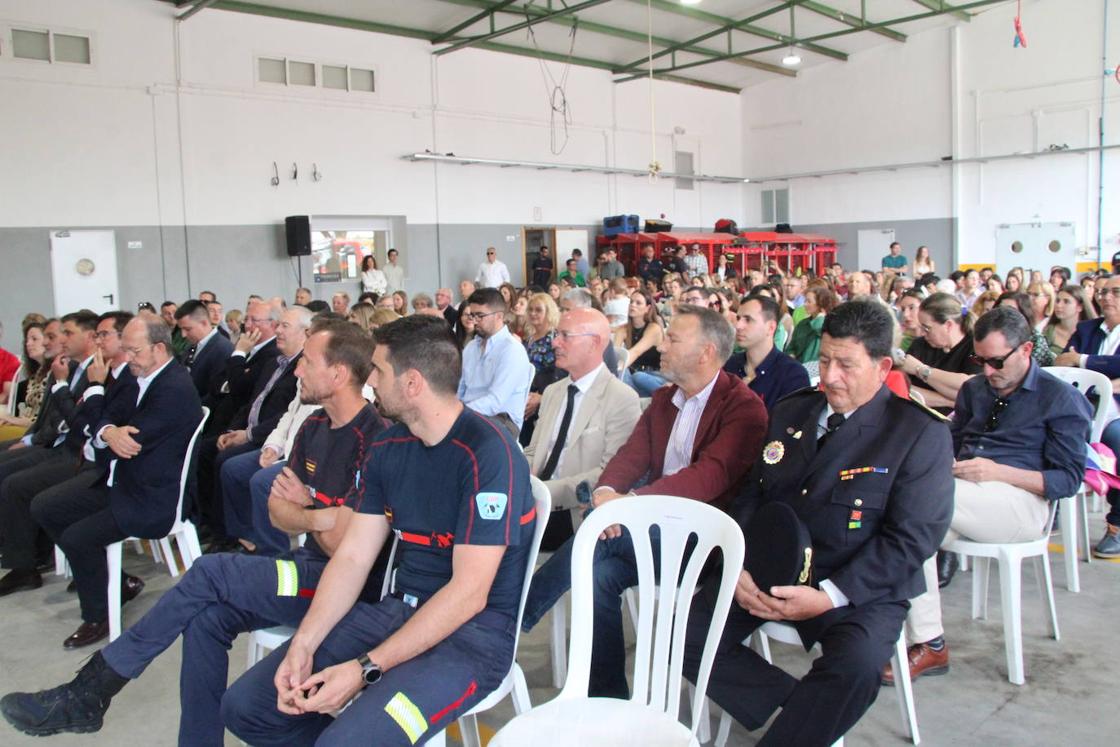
(1114, 292)
(145, 306)
(478, 316)
(136, 351)
(565, 335)
(993, 415)
(996, 363)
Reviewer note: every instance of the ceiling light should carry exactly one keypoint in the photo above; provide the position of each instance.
(690, 2)
(792, 59)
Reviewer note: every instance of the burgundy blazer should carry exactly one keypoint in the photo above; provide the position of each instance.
(728, 441)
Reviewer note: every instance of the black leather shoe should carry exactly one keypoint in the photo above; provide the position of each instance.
(78, 706)
(72, 587)
(18, 580)
(131, 586)
(947, 565)
(86, 634)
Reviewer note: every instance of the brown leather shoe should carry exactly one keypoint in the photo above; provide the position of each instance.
(86, 634)
(18, 580)
(923, 661)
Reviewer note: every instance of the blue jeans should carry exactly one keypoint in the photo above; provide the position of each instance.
(614, 571)
(221, 596)
(1111, 439)
(236, 471)
(645, 383)
(413, 701)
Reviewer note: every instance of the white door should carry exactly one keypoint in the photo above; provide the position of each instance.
(873, 244)
(84, 271)
(1036, 246)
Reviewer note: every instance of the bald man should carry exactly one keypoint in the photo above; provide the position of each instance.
(568, 449)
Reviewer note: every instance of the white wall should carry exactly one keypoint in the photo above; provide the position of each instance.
(898, 103)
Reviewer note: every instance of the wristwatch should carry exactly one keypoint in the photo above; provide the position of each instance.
(371, 673)
(924, 372)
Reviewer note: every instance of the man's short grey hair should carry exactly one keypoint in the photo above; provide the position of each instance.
(303, 316)
(714, 328)
(158, 332)
(1006, 319)
(580, 298)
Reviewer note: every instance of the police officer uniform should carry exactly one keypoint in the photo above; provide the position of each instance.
(876, 496)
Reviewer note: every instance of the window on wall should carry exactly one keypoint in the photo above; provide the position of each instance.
(286, 72)
(682, 164)
(49, 46)
(775, 205)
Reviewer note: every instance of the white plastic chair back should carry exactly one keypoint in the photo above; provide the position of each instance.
(16, 380)
(917, 396)
(659, 653)
(623, 359)
(185, 474)
(1083, 379)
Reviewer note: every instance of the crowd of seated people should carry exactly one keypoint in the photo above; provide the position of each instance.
(719, 384)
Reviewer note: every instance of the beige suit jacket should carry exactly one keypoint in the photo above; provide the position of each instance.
(606, 416)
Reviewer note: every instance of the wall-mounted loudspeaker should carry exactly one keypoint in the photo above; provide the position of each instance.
(298, 228)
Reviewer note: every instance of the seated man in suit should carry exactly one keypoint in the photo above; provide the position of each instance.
(226, 594)
(1019, 437)
(139, 494)
(255, 351)
(584, 420)
(697, 439)
(207, 352)
(770, 373)
(868, 473)
(249, 428)
(1095, 345)
(65, 460)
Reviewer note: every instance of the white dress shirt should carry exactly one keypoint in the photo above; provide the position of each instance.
(1108, 345)
(254, 351)
(202, 343)
(582, 385)
(682, 439)
(394, 277)
(839, 598)
(492, 274)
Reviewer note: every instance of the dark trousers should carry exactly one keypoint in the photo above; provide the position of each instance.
(80, 522)
(221, 596)
(209, 462)
(413, 701)
(24, 540)
(233, 478)
(818, 709)
(269, 539)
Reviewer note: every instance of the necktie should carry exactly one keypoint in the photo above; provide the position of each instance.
(190, 355)
(562, 436)
(835, 420)
(255, 409)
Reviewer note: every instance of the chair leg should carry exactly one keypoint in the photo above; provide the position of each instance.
(702, 720)
(1083, 515)
(468, 730)
(632, 604)
(113, 559)
(254, 653)
(1067, 509)
(1010, 586)
(980, 573)
(900, 668)
(724, 732)
(760, 642)
(438, 740)
(559, 642)
(1046, 588)
(61, 564)
(169, 556)
(520, 692)
(193, 550)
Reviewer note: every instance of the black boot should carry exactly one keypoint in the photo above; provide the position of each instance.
(947, 565)
(78, 706)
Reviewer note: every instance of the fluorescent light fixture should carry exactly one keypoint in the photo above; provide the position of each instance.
(690, 2)
(792, 59)
(575, 168)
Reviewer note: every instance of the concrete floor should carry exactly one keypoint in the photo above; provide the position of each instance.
(1068, 698)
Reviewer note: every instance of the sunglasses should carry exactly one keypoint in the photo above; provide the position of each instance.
(996, 363)
(993, 416)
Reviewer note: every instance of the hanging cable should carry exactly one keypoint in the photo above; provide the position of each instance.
(654, 165)
(560, 114)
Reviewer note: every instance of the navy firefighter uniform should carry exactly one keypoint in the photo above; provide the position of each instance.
(876, 497)
(471, 488)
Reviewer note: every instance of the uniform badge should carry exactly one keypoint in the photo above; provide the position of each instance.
(491, 506)
(773, 452)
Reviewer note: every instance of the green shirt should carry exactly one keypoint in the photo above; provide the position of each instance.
(576, 278)
(891, 262)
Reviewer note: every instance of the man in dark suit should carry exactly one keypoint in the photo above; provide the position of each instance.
(770, 373)
(59, 462)
(207, 352)
(140, 490)
(697, 439)
(250, 426)
(255, 350)
(870, 476)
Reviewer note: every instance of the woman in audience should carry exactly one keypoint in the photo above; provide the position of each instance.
(400, 302)
(617, 303)
(1042, 353)
(724, 271)
(1014, 280)
(941, 361)
(382, 316)
(1089, 288)
(509, 293)
(233, 321)
(554, 291)
(984, 303)
(805, 345)
(1070, 307)
(923, 263)
(994, 284)
(1042, 303)
(641, 335)
(362, 315)
(908, 317)
(373, 279)
(464, 330)
(540, 330)
(519, 317)
(29, 392)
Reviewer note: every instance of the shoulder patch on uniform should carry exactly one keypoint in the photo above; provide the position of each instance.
(932, 413)
(491, 506)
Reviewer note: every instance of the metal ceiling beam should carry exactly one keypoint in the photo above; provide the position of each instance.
(851, 20)
(800, 43)
(474, 40)
(199, 6)
(746, 26)
(942, 5)
(573, 167)
(451, 32)
(620, 33)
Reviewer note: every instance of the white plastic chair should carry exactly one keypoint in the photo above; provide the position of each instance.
(623, 359)
(786, 633)
(1010, 556)
(1075, 511)
(182, 530)
(649, 718)
(514, 683)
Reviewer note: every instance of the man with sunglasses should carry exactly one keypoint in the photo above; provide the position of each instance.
(496, 368)
(1019, 438)
(1095, 345)
(493, 272)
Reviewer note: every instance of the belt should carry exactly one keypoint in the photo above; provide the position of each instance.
(489, 618)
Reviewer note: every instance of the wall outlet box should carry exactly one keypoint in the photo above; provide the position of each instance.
(136, 245)
(538, 214)
(511, 238)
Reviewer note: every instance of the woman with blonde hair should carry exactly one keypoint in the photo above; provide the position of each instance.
(941, 361)
(984, 303)
(362, 314)
(382, 316)
(541, 319)
(1042, 302)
